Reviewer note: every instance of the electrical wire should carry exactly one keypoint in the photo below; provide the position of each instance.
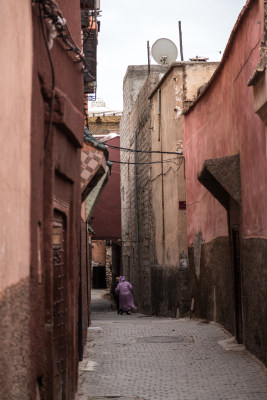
(145, 163)
(165, 173)
(51, 11)
(144, 151)
(41, 15)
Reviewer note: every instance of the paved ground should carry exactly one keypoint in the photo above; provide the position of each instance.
(135, 357)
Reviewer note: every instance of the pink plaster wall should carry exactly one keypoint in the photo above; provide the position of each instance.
(15, 114)
(222, 123)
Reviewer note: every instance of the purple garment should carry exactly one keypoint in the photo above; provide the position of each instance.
(124, 290)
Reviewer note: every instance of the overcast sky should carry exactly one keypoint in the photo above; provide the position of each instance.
(127, 25)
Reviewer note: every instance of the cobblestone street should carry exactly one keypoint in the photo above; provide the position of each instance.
(148, 358)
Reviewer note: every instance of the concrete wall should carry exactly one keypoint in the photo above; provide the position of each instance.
(178, 87)
(223, 123)
(153, 226)
(15, 120)
(167, 178)
(138, 248)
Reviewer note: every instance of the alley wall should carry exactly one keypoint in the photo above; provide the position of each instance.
(225, 148)
(137, 225)
(15, 187)
(153, 185)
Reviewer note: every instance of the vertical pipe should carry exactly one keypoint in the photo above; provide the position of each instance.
(162, 176)
(135, 196)
(148, 58)
(181, 41)
(159, 114)
(162, 201)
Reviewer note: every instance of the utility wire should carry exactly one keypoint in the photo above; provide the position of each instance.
(51, 11)
(41, 14)
(165, 173)
(144, 151)
(145, 163)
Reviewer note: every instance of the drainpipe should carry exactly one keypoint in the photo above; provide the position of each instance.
(162, 176)
(159, 114)
(135, 197)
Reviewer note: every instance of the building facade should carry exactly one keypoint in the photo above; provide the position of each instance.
(225, 153)
(43, 87)
(57, 138)
(153, 185)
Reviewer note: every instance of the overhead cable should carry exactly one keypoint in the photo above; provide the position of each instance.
(144, 151)
(148, 162)
(41, 15)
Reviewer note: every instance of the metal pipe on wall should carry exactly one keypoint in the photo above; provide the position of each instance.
(135, 196)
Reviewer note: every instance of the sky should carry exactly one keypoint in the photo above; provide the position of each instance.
(127, 25)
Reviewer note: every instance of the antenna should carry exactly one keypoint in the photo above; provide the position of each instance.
(164, 51)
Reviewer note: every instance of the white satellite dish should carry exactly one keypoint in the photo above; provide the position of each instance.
(164, 51)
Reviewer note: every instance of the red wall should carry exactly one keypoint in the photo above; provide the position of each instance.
(106, 218)
(222, 123)
(55, 186)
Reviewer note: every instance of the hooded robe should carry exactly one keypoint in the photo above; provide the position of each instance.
(125, 292)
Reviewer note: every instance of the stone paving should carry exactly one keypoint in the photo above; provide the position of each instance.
(148, 358)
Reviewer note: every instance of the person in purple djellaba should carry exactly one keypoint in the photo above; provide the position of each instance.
(125, 292)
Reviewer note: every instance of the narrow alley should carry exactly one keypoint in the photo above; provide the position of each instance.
(135, 356)
(133, 164)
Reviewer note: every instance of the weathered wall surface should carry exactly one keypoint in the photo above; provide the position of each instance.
(99, 252)
(169, 291)
(211, 263)
(153, 224)
(15, 120)
(178, 87)
(138, 249)
(15, 143)
(254, 256)
(56, 210)
(223, 123)
(103, 127)
(167, 177)
(197, 74)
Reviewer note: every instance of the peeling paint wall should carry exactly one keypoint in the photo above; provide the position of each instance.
(167, 178)
(153, 223)
(179, 87)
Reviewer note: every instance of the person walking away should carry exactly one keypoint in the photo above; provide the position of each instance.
(125, 292)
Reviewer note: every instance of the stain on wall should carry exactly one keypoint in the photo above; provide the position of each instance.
(15, 359)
